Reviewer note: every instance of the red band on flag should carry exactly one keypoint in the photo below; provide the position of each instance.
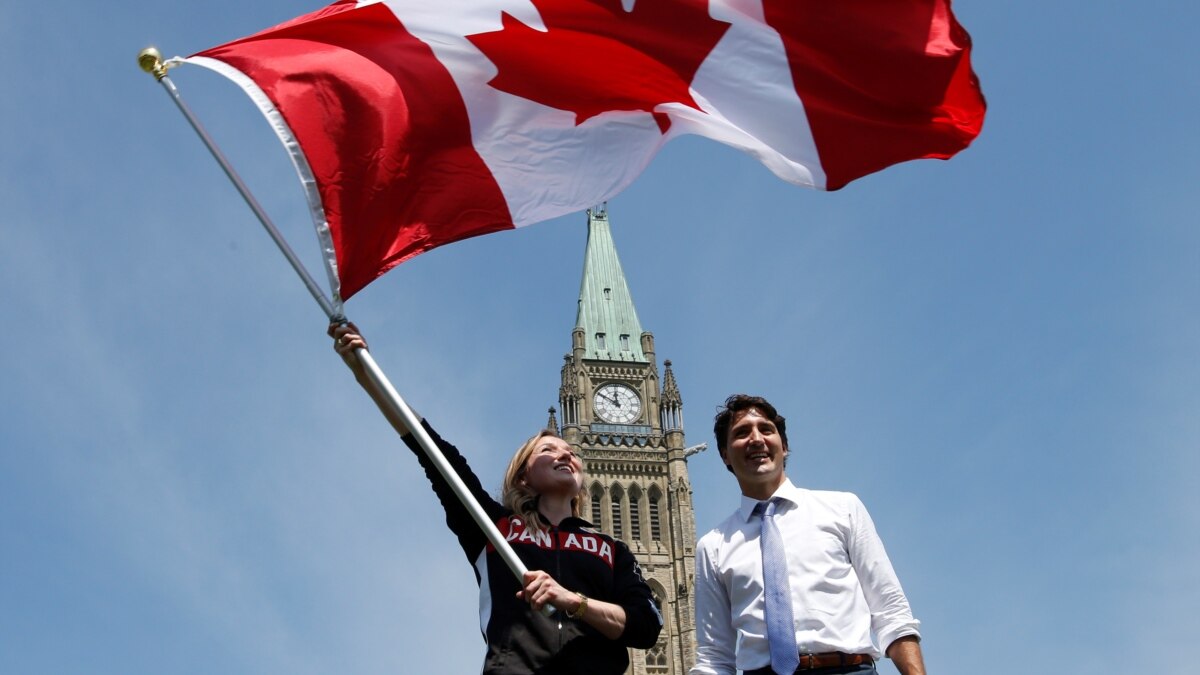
(385, 132)
(882, 81)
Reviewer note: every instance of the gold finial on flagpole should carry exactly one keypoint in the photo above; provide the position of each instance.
(150, 59)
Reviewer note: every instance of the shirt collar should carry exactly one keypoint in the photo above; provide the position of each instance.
(787, 492)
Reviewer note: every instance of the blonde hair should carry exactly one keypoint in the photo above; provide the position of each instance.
(517, 495)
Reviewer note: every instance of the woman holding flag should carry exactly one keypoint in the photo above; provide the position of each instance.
(602, 605)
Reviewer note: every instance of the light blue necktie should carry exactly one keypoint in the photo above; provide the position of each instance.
(781, 629)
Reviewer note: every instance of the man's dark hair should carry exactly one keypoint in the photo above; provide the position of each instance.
(739, 403)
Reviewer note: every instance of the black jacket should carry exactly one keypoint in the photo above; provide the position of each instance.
(578, 556)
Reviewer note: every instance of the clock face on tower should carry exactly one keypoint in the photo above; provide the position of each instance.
(617, 403)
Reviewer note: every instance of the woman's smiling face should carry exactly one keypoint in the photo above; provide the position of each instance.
(553, 467)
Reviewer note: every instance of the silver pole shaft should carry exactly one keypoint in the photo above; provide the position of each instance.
(401, 409)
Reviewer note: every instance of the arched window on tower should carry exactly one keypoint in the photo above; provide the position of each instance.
(655, 519)
(618, 496)
(597, 510)
(635, 513)
(656, 659)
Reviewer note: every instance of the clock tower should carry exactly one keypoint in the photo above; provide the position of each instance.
(626, 421)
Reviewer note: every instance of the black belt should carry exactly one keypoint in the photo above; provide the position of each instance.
(817, 661)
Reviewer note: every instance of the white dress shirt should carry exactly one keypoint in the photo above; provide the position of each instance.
(843, 588)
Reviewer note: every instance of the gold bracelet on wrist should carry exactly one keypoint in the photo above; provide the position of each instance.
(581, 609)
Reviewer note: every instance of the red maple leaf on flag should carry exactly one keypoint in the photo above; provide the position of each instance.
(595, 57)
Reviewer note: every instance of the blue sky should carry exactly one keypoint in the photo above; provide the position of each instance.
(1000, 354)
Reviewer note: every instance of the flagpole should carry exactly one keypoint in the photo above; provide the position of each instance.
(151, 61)
(395, 404)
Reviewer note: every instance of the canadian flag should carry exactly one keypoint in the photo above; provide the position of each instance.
(416, 123)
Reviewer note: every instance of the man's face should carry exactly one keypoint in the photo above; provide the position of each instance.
(755, 452)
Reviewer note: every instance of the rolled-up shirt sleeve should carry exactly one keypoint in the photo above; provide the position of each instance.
(715, 636)
(891, 616)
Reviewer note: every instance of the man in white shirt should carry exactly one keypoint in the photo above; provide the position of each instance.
(804, 567)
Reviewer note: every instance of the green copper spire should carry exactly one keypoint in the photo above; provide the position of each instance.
(606, 315)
